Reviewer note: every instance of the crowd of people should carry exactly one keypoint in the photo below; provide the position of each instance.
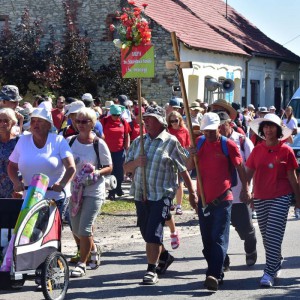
(244, 164)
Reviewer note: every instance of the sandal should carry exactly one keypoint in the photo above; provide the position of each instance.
(150, 278)
(79, 270)
(175, 242)
(95, 258)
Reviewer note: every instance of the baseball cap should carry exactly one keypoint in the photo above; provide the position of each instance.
(223, 117)
(122, 99)
(210, 121)
(10, 93)
(74, 107)
(175, 102)
(87, 97)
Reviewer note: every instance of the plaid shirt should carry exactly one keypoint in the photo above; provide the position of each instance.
(165, 157)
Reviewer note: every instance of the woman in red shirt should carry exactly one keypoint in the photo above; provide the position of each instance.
(273, 165)
(176, 127)
(116, 132)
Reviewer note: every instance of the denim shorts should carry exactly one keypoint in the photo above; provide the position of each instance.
(151, 217)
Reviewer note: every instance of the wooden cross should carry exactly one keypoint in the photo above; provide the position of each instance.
(179, 66)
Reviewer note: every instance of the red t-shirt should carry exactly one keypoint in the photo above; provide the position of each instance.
(214, 168)
(57, 117)
(135, 132)
(114, 132)
(271, 165)
(182, 135)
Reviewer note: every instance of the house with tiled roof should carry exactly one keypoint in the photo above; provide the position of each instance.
(218, 41)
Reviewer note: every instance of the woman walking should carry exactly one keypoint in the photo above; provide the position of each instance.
(273, 166)
(93, 161)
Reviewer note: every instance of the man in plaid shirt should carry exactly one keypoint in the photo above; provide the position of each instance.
(164, 158)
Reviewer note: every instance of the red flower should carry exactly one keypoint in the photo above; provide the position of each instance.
(131, 2)
(144, 5)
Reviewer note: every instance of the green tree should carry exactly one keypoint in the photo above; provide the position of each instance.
(20, 52)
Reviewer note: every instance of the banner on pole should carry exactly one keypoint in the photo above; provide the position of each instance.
(138, 62)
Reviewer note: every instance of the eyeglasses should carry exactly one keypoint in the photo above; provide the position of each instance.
(174, 121)
(116, 115)
(5, 121)
(83, 122)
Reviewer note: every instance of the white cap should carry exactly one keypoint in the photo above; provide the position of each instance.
(87, 97)
(42, 113)
(74, 107)
(272, 107)
(210, 121)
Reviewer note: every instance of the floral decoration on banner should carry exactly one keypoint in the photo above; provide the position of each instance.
(134, 28)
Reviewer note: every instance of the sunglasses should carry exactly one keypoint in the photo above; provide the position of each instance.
(116, 115)
(174, 121)
(83, 122)
(5, 121)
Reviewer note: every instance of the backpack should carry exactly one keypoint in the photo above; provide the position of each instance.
(233, 171)
(110, 180)
(95, 145)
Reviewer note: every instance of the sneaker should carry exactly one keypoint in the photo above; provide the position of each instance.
(178, 211)
(164, 265)
(79, 270)
(297, 213)
(175, 242)
(267, 280)
(254, 215)
(251, 258)
(211, 283)
(150, 278)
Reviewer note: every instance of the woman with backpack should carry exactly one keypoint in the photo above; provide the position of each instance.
(88, 187)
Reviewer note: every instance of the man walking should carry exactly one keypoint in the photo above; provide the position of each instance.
(241, 218)
(163, 157)
(214, 219)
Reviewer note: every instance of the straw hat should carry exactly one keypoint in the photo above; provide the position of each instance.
(254, 125)
(227, 107)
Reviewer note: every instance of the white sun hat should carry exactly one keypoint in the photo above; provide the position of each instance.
(254, 125)
(42, 113)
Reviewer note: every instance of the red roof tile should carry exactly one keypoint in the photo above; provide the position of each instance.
(203, 24)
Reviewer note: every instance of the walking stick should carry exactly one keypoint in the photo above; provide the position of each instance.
(142, 150)
(188, 116)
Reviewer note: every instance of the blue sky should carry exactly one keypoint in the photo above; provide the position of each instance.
(278, 19)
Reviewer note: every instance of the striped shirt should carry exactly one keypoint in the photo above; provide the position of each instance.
(165, 158)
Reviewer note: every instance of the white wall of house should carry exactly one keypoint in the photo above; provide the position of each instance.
(263, 71)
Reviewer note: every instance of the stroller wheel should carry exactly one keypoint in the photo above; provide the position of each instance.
(55, 277)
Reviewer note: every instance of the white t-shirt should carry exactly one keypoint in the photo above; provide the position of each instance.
(248, 147)
(47, 160)
(292, 124)
(85, 153)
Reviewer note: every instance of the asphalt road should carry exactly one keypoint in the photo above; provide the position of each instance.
(122, 269)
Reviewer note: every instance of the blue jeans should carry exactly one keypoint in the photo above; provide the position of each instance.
(215, 236)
